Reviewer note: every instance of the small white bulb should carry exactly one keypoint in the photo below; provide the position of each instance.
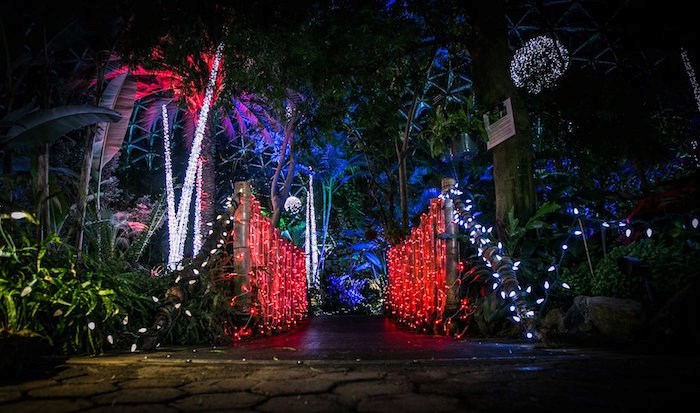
(528, 289)
(565, 285)
(503, 295)
(496, 275)
(565, 247)
(133, 348)
(540, 300)
(528, 335)
(189, 314)
(552, 268)
(649, 232)
(154, 298)
(512, 294)
(142, 330)
(695, 222)
(495, 285)
(546, 285)
(512, 308)
(516, 318)
(110, 339)
(91, 325)
(606, 225)
(628, 232)
(575, 211)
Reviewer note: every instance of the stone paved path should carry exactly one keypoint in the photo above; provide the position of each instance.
(497, 378)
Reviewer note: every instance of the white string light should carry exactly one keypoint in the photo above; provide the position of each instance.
(197, 237)
(183, 210)
(539, 64)
(169, 192)
(696, 93)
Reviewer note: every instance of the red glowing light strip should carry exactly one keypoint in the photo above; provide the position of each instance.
(417, 291)
(277, 278)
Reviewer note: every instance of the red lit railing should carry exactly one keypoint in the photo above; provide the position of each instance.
(278, 275)
(417, 291)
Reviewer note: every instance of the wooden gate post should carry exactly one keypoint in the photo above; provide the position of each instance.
(452, 253)
(241, 248)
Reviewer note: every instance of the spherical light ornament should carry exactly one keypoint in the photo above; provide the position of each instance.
(539, 64)
(292, 205)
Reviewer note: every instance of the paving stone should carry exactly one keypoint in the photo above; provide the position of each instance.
(309, 403)
(47, 406)
(29, 385)
(9, 395)
(167, 370)
(133, 408)
(427, 376)
(296, 386)
(132, 396)
(222, 401)
(281, 373)
(352, 376)
(356, 391)
(219, 386)
(148, 383)
(408, 403)
(73, 390)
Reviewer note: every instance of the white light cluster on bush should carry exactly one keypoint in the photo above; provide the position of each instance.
(292, 205)
(539, 64)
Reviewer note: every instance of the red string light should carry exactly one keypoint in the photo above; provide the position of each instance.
(417, 291)
(277, 276)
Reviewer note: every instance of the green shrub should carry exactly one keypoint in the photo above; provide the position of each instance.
(77, 305)
(668, 265)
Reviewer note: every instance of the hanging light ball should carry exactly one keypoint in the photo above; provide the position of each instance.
(292, 205)
(539, 64)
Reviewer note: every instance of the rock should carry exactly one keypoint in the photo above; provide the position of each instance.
(605, 319)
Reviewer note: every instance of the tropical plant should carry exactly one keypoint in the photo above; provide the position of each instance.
(77, 306)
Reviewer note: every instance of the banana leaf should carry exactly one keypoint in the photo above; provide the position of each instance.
(119, 96)
(45, 126)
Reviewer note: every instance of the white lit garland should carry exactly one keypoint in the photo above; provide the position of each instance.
(539, 64)
(197, 238)
(696, 93)
(311, 244)
(169, 191)
(493, 255)
(183, 210)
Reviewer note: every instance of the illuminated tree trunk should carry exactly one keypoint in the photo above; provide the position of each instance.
(279, 195)
(512, 159)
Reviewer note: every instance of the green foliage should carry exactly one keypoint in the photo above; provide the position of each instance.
(517, 233)
(668, 266)
(74, 304)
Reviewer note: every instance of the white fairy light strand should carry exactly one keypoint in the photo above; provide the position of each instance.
(197, 237)
(539, 64)
(188, 185)
(691, 76)
(696, 93)
(169, 192)
(492, 253)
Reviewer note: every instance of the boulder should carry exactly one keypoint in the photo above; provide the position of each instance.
(605, 319)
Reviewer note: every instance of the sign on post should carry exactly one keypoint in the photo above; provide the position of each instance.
(503, 127)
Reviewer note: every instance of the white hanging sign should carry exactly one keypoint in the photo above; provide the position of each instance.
(503, 128)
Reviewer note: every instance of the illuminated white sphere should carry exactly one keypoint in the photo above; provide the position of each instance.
(539, 64)
(292, 205)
